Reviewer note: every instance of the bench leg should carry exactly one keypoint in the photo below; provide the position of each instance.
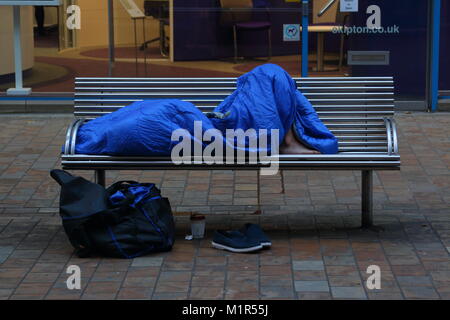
(100, 177)
(367, 198)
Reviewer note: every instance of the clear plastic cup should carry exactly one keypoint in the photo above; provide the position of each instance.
(198, 223)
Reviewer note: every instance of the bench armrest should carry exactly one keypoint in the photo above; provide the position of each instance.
(391, 132)
(68, 138)
(71, 136)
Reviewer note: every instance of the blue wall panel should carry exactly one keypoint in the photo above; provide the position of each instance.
(407, 49)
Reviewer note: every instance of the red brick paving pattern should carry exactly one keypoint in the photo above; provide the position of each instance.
(318, 252)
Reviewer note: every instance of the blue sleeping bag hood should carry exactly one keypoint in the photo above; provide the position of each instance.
(265, 98)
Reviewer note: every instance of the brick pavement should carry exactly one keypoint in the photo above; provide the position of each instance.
(313, 217)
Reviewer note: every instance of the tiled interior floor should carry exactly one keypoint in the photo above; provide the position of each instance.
(55, 70)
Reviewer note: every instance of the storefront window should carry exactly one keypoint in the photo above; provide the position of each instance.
(220, 38)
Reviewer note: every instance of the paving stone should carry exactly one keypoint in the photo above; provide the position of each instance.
(141, 282)
(411, 270)
(344, 281)
(213, 279)
(348, 293)
(101, 290)
(6, 250)
(208, 293)
(414, 281)
(135, 293)
(147, 262)
(420, 293)
(211, 261)
(275, 281)
(28, 254)
(35, 277)
(35, 288)
(170, 296)
(440, 275)
(63, 294)
(314, 296)
(231, 294)
(175, 276)
(5, 293)
(108, 276)
(177, 265)
(385, 295)
(404, 260)
(275, 270)
(342, 270)
(310, 275)
(339, 260)
(311, 286)
(274, 260)
(168, 286)
(308, 265)
(276, 292)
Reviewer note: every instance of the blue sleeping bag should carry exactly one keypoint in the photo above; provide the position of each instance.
(265, 98)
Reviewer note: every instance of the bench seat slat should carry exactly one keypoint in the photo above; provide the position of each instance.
(92, 90)
(217, 78)
(214, 96)
(294, 165)
(335, 118)
(131, 100)
(282, 157)
(337, 108)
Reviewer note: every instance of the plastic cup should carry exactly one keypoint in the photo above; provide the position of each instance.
(198, 226)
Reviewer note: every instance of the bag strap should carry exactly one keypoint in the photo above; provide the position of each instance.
(120, 186)
(118, 183)
(61, 176)
(130, 197)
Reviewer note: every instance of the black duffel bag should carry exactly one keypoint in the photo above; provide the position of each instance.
(126, 220)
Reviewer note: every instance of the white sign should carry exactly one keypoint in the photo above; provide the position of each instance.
(349, 5)
(132, 9)
(291, 32)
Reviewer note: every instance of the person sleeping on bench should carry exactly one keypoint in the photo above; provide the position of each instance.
(265, 98)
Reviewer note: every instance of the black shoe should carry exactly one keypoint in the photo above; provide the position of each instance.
(254, 231)
(234, 241)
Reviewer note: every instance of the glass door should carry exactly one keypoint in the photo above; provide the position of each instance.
(67, 36)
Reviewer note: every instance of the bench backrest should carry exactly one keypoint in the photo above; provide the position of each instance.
(353, 108)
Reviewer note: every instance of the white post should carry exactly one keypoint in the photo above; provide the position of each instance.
(19, 89)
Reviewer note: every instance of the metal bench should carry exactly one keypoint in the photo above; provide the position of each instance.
(358, 110)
